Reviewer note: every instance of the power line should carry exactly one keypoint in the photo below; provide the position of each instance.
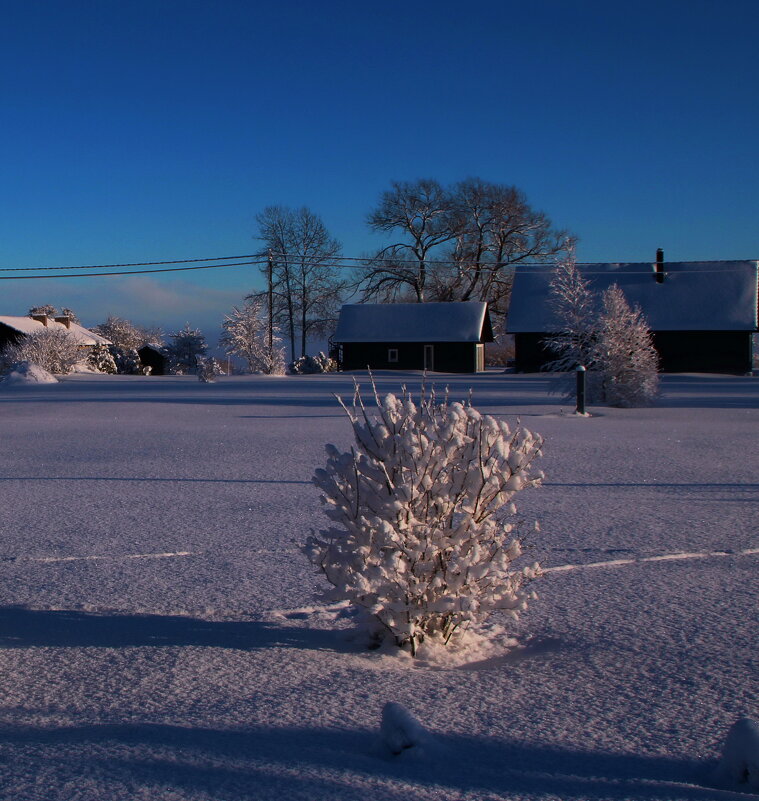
(133, 264)
(586, 267)
(126, 272)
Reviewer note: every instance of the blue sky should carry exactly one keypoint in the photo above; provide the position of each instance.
(156, 130)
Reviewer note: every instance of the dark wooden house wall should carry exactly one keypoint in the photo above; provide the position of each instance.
(8, 336)
(679, 351)
(448, 357)
(704, 351)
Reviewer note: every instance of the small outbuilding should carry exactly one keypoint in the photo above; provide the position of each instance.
(439, 337)
(702, 315)
(154, 357)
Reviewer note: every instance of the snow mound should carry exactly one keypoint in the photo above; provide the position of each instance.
(400, 730)
(28, 373)
(740, 754)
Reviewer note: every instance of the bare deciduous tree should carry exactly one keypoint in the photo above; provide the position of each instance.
(458, 243)
(307, 287)
(422, 212)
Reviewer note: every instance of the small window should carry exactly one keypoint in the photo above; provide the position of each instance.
(392, 355)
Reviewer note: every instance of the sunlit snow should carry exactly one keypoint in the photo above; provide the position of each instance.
(161, 637)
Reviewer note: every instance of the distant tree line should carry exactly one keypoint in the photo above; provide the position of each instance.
(449, 243)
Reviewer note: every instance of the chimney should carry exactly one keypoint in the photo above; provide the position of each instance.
(40, 318)
(64, 321)
(659, 266)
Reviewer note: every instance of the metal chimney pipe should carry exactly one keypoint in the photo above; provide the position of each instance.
(659, 269)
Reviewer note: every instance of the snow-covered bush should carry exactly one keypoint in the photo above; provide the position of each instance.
(128, 361)
(400, 730)
(424, 531)
(53, 349)
(307, 365)
(208, 369)
(739, 763)
(624, 353)
(101, 359)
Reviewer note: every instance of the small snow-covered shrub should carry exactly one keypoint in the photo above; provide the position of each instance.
(207, 369)
(400, 730)
(128, 361)
(101, 360)
(424, 531)
(308, 365)
(739, 763)
(53, 349)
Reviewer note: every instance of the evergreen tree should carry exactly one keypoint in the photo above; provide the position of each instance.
(186, 345)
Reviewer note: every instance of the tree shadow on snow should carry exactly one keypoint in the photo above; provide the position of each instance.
(255, 762)
(27, 628)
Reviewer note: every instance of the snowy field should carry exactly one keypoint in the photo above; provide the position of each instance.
(160, 639)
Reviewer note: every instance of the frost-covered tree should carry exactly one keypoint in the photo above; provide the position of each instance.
(624, 354)
(612, 342)
(47, 309)
(246, 334)
(101, 359)
(122, 333)
(184, 349)
(53, 349)
(50, 311)
(424, 533)
(574, 305)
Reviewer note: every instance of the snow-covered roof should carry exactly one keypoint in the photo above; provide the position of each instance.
(694, 296)
(414, 322)
(26, 325)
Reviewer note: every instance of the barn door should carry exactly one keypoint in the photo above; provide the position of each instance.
(429, 357)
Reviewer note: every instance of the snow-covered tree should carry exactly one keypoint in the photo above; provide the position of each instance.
(624, 354)
(53, 349)
(101, 359)
(424, 531)
(612, 342)
(574, 306)
(122, 333)
(246, 334)
(47, 309)
(186, 345)
(50, 311)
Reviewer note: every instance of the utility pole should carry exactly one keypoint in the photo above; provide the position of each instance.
(270, 278)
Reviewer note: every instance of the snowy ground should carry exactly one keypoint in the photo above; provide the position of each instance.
(159, 637)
